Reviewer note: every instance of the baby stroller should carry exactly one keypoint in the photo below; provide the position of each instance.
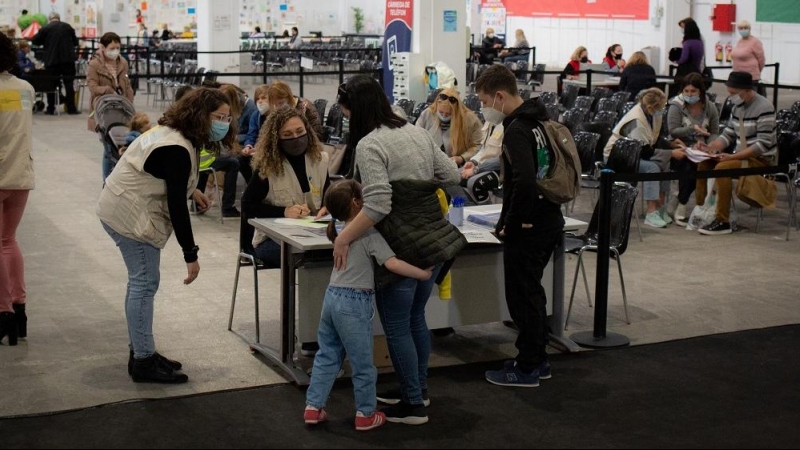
(113, 113)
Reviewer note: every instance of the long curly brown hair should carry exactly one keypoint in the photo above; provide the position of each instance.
(191, 116)
(268, 159)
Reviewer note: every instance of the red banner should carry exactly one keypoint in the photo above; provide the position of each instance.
(580, 9)
(400, 10)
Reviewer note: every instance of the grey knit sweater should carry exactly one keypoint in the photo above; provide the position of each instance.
(406, 153)
(759, 126)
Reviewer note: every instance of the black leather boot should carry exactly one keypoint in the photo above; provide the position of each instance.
(151, 370)
(8, 327)
(174, 365)
(22, 320)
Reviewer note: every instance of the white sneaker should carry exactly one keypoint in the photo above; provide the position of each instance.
(654, 220)
(680, 216)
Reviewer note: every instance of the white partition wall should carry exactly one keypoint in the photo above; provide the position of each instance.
(556, 38)
(218, 30)
(438, 41)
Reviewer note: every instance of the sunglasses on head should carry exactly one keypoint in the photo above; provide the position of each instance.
(444, 97)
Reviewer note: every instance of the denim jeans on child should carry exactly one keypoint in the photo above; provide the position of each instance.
(143, 262)
(402, 311)
(345, 328)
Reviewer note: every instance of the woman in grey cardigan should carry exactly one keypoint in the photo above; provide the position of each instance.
(692, 118)
(393, 160)
(454, 128)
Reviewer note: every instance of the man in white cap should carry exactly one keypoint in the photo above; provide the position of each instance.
(59, 42)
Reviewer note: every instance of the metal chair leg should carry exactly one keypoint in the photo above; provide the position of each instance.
(585, 281)
(758, 218)
(639, 228)
(235, 287)
(572, 295)
(622, 283)
(255, 291)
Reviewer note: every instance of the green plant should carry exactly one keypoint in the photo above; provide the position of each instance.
(359, 17)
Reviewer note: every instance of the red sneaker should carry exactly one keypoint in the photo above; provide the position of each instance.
(364, 423)
(314, 416)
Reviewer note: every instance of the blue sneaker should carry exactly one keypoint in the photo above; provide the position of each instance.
(545, 372)
(512, 377)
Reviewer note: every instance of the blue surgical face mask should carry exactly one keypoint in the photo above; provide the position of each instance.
(218, 130)
(691, 99)
(433, 81)
(443, 118)
(744, 33)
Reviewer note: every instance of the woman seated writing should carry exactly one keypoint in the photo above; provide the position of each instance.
(290, 177)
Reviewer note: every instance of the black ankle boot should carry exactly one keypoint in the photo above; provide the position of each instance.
(8, 327)
(151, 370)
(22, 320)
(174, 365)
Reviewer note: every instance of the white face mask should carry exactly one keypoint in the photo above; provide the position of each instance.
(736, 100)
(492, 115)
(263, 107)
(112, 54)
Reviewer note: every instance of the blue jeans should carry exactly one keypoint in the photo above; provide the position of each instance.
(651, 188)
(269, 252)
(345, 327)
(401, 307)
(143, 262)
(107, 164)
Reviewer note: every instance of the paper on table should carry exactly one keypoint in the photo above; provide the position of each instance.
(697, 156)
(477, 235)
(308, 222)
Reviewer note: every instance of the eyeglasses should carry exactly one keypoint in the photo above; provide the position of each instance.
(452, 100)
(221, 118)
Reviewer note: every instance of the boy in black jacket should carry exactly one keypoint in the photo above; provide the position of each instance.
(530, 225)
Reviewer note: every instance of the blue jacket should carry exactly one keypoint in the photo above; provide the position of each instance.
(244, 121)
(25, 63)
(254, 128)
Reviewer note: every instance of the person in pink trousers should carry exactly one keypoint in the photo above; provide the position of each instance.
(16, 181)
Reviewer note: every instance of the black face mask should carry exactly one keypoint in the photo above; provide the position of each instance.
(295, 146)
(618, 56)
(585, 59)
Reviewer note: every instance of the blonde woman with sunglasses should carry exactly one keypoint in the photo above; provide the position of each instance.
(455, 129)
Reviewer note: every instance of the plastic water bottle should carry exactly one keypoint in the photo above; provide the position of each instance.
(456, 213)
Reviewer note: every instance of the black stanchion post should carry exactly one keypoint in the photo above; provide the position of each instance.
(302, 76)
(600, 338)
(341, 72)
(775, 86)
(589, 82)
(264, 65)
(533, 61)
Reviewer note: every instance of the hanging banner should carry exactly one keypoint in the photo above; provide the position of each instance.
(580, 9)
(91, 19)
(493, 15)
(396, 38)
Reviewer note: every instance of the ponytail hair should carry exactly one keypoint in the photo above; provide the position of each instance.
(339, 201)
(331, 230)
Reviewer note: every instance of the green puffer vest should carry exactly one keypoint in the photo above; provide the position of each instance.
(416, 229)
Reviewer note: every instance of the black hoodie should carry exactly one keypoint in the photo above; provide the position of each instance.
(522, 203)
